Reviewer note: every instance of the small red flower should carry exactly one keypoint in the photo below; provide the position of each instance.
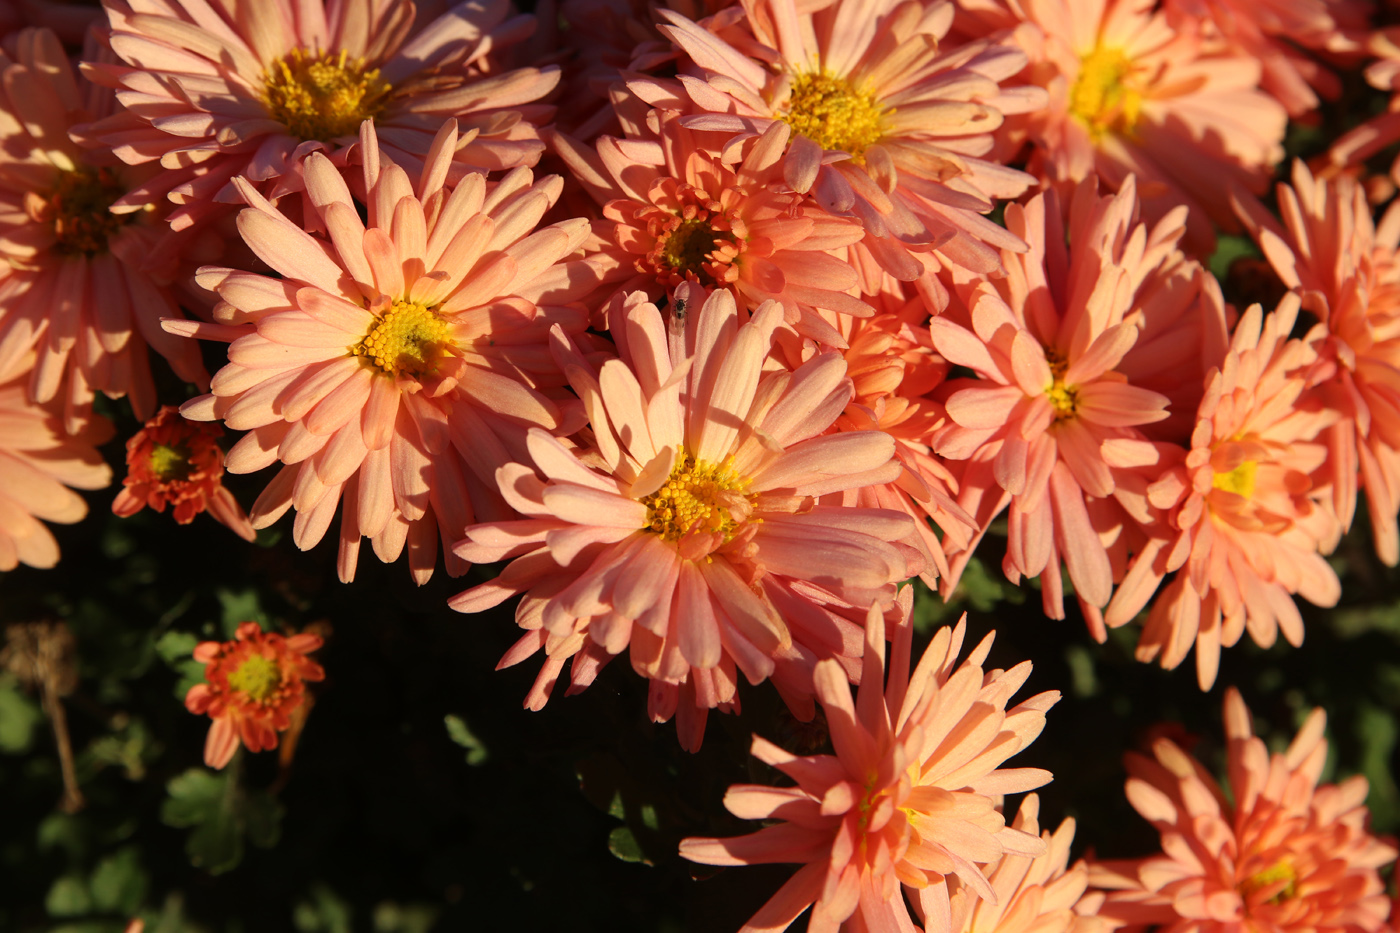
(178, 462)
(253, 685)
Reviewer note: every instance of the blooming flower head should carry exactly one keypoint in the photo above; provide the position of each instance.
(252, 686)
(1280, 853)
(1079, 350)
(172, 461)
(696, 535)
(1134, 93)
(395, 365)
(673, 213)
(888, 124)
(1347, 272)
(39, 462)
(84, 287)
(1248, 523)
(906, 800)
(217, 90)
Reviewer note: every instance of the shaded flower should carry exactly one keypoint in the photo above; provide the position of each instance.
(252, 686)
(889, 124)
(172, 461)
(907, 803)
(1277, 851)
(696, 535)
(217, 90)
(83, 286)
(1383, 130)
(1248, 522)
(393, 365)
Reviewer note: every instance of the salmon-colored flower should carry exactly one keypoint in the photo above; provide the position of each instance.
(172, 461)
(696, 535)
(83, 286)
(1281, 852)
(1079, 350)
(39, 461)
(252, 686)
(215, 90)
(889, 123)
(1347, 272)
(1134, 93)
(674, 213)
(1248, 522)
(394, 365)
(1382, 130)
(909, 801)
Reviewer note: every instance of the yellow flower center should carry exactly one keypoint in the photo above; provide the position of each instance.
(690, 245)
(408, 339)
(323, 95)
(1063, 398)
(1281, 871)
(79, 210)
(1240, 480)
(833, 114)
(1100, 96)
(700, 497)
(257, 678)
(170, 464)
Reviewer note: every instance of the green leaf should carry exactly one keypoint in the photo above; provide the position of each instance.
(68, 898)
(1228, 248)
(263, 817)
(324, 912)
(207, 802)
(239, 606)
(458, 732)
(19, 715)
(623, 844)
(175, 648)
(390, 917)
(118, 882)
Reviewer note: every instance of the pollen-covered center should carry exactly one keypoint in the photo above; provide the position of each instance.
(256, 677)
(1101, 96)
(409, 339)
(1281, 873)
(78, 210)
(699, 497)
(323, 95)
(1240, 480)
(1063, 398)
(833, 113)
(170, 463)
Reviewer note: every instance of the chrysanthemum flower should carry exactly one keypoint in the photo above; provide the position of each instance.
(394, 365)
(887, 125)
(1131, 93)
(1076, 350)
(39, 460)
(695, 536)
(1383, 130)
(674, 213)
(176, 462)
(252, 686)
(220, 89)
(1348, 274)
(1247, 520)
(1279, 853)
(908, 798)
(83, 286)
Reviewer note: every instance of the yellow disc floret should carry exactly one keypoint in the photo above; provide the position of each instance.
(323, 95)
(257, 677)
(1240, 480)
(1063, 398)
(170, 463)
(1281, 871)
(700, 497)
(1102, 96)
(409, 338)
(833, 113)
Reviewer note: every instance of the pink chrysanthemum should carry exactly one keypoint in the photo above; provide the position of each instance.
(695, 536)
(1248, 522)
(889, 126)
(83, 286)
(909, 800)
(674, 213)
(175, 462)
(1133, 94)
(39, 460)
(1280, 853)
(1347, 272)
(1079, 349)
(1383, 130)
(394, 365)
(253, 685)
(215, 90)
